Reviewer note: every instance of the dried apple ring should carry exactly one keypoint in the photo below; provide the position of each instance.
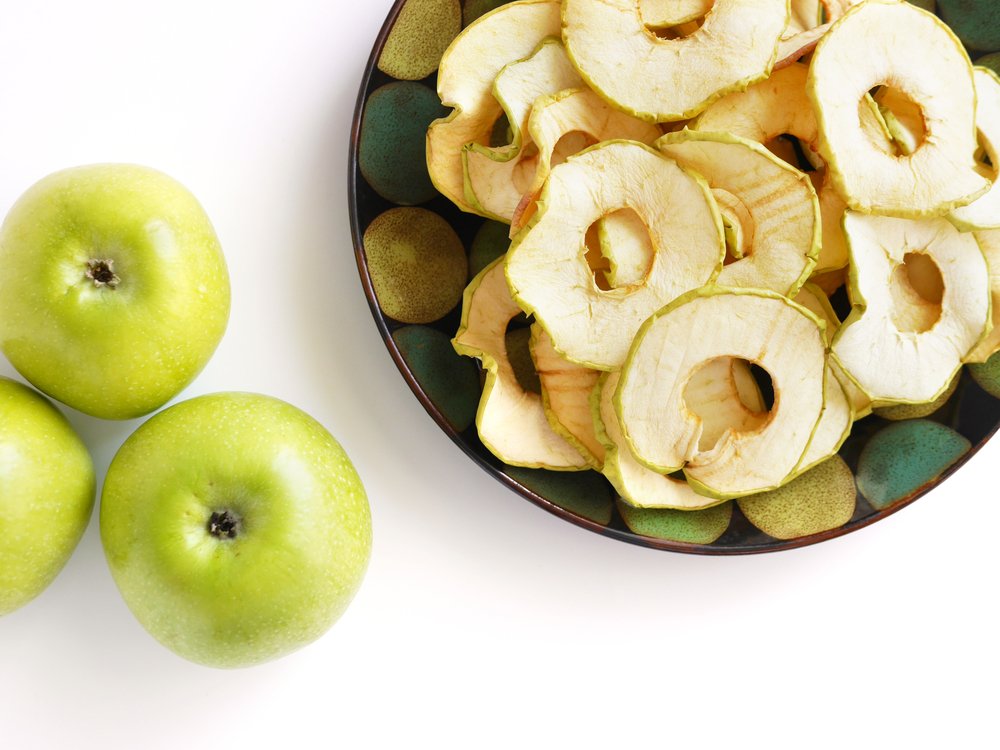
(924, 60)
(511, 421)
(910, 358)
(465, 82)
(663, 80)
(546, 265)
(781, 229)
(761, 327)
(984, 212)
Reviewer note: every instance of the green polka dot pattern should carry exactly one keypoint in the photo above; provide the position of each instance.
(450, 381)
(490, 242)
(417, 264)
(987, 375)
(820, 500)
(584, 493)
(422, 33)
(685, 526)
(904, 457)
(975, 22)
(392, 151)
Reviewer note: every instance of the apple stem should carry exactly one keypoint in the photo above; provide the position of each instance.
(102, 272)
(224, 525)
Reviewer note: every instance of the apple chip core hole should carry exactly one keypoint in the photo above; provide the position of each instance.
(903, 117)
(725, 393)
(674, 19)
(571, 143)
(619, 249)
(917, 289)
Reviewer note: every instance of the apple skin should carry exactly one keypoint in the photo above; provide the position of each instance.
(301, 545)
(112, 350)
(46, 493)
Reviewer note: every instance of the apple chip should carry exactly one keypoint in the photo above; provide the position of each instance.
(927, 63)
(511, 421)
(989, 243)
(662, 80)
(644, 488)
(889, 344)
(783, 338)
(665, 14)
(566, 389)
(546, 265)
(984, 212)
(560, 125)
(772, 204)
(465, 82)
(772, 108)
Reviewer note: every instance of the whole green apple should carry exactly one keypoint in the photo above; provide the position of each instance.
(236, 528)
(114, 292)
(46, 493)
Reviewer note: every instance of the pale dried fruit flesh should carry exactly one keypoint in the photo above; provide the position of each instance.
(926, 62)
(984, 212)
(898, 344)
(663, 80)
(547, 268)
(761, 327)
(511, 420)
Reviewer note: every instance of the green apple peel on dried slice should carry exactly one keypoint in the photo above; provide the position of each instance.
(910, 366)
(926, 62)
(663, 80)
(989, 243)
(511, 421)
(984, 212)
(498, 187)
(490, 171)
(815, 300)
(637, 484)
(465, 82)
(566, 389)
(663, 14)
(546, 265)
(779, 106)
(762, 327)
(778, 199)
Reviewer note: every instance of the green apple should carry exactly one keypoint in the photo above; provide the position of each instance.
(236, 528)
(114, 292)
(46, 493)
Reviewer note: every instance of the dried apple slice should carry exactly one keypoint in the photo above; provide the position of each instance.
(782, 240)
(625, 242)
(511, 420)
(642, 487)
(671, 79)
(910, 366)
(779, 106)
(984, 212)
(664, 14)
(566, 389)
(813, 297)
(560, 125)
(546, 265)
(783, 338)
(465, 82)
(989, 243)
(927, 63)
(490, 172)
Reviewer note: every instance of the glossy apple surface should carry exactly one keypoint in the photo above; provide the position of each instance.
(46, 493)
(236, 528)
(114, 292)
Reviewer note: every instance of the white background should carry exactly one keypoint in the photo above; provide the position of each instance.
(483, 621)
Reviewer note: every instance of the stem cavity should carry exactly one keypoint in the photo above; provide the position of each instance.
(102, 272)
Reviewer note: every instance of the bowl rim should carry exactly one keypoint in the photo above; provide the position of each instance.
(357, 235)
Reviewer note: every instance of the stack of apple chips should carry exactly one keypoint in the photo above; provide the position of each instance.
(687, 182)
